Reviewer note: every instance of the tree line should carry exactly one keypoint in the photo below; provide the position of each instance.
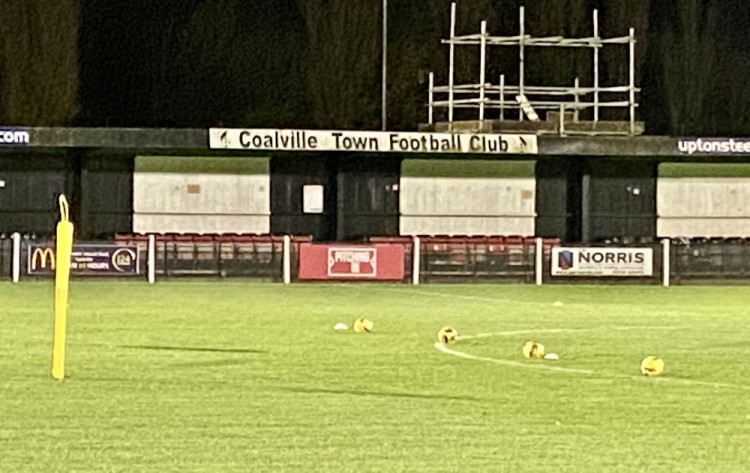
(317, 63)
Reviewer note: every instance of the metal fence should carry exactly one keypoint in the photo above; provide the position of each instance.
(710, 259)
(6, 255)
(441, 258)
(475, 259)
(220, 255)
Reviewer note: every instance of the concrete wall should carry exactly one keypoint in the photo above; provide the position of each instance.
(467, 197)
(703, 200)
(201, 195)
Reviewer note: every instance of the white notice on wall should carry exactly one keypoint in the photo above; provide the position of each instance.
(312, 199)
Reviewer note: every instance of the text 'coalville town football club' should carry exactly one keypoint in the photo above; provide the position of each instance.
(370, 141)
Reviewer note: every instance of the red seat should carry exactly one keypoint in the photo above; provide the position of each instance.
(123, 238)
(514, 240)
(243, 238)
(437, 247)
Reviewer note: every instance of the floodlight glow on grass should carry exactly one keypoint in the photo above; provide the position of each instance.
(63, 250)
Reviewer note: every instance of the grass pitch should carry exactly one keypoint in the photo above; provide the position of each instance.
(235, 376)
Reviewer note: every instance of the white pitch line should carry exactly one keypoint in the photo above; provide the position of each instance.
(562, 330)
(645, 327)
(422, 292)
(520, 332)
(444, 348)
(691, 382)
(499, 361)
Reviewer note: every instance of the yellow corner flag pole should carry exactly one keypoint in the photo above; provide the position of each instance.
(62, 283)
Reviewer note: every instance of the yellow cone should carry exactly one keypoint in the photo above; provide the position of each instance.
(652, 366)
(447, 335)
(533, 350)
(362, 325)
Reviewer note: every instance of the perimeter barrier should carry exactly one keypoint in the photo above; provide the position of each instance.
(425, 258)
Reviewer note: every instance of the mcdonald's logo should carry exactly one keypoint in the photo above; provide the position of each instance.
(41, 256)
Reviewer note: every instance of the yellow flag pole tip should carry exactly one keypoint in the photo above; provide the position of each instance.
(64, 208)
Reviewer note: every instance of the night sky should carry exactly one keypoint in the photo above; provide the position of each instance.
(316, 63)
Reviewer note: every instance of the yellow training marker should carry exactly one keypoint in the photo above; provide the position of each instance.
(63, 251)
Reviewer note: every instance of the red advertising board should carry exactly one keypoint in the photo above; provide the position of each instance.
(380, 262)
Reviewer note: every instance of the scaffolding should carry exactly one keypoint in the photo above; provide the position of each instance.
(560, 105)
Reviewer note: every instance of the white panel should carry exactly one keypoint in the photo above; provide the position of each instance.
(160, 223)
(216, 193)
(467, 206)
(448, 196)
(410, 225)
(705, 197)
(313, 199)
(703, 207)
(703, 227)
(202, 203)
